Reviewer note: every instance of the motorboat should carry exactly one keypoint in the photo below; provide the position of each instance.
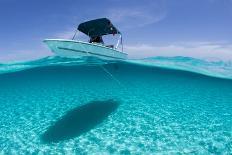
(94, 47)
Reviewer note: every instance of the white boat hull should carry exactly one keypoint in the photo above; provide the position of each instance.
(77, 49)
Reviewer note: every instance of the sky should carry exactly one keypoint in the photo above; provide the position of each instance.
(193, 28)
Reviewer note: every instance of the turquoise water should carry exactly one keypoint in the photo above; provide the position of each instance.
(157, 105)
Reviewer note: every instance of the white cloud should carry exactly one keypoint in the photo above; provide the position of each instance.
(205, 50)
(23, 55)
(133, 18)
(66, 34)
(69, 33)
(137, 16)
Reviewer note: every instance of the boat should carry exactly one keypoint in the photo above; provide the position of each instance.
(95, 47)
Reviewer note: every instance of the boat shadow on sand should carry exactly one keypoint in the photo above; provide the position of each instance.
(79, 120)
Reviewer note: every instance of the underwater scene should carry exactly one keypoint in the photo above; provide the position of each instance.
(159, 105)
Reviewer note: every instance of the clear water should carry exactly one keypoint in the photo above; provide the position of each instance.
(57, 105)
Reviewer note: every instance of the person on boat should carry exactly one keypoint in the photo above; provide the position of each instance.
(97, 39)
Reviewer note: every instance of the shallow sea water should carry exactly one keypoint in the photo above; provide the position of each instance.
(136, 110)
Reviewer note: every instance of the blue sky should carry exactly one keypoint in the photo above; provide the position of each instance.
(196, 28)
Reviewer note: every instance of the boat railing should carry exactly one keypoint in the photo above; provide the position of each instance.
(119, 41)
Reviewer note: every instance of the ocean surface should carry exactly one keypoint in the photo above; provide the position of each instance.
(156, 105)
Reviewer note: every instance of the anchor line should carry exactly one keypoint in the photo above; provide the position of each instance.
(106, 71)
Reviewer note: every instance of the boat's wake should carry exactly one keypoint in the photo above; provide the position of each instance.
(219, 69)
